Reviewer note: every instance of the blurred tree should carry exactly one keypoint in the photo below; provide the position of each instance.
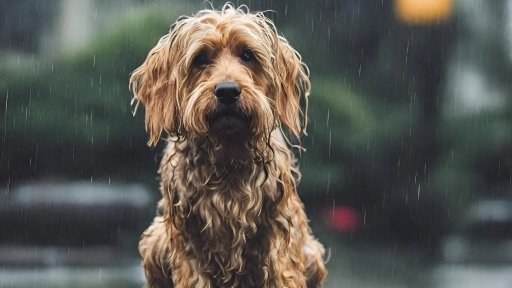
(71, 117)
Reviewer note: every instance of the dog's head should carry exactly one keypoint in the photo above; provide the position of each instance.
(221, 73)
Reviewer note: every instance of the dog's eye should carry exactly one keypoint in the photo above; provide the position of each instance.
(201, 59)
(247, 56)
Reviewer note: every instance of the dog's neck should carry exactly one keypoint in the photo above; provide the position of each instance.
(231, 153)
(222, 174)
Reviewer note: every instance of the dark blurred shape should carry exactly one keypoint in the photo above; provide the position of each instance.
(484, 234)
(23, 22)
(72, 214)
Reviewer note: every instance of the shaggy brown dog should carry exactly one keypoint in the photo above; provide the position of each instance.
(221, 84)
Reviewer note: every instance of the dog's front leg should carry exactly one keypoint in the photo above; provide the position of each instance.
(155, 248)
(186, 273)
(165, 265)
(286, 267)
(314, 263)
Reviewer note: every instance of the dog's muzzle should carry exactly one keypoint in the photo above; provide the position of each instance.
(227, 94)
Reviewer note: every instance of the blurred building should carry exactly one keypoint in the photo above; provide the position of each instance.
(53, 28)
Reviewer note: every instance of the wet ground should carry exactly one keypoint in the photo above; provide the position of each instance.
(355, 264)
(366, 265)
(352, 264)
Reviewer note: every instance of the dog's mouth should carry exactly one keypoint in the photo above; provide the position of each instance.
(228, 116)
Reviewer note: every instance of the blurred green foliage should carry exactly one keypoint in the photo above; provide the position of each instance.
(347, 125)
(476, 160)
(72, 116)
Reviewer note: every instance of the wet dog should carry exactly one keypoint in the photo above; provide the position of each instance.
(222, 84)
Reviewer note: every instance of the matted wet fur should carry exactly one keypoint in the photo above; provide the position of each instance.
(221, 84)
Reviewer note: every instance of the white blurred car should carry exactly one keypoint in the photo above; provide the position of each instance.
(484, 234)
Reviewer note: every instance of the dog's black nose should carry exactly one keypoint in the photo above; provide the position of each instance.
(227, 92)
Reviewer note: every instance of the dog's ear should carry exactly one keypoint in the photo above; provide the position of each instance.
(155, 84)
(293, 75)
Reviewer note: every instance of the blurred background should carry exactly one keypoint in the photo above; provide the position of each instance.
(407, 174)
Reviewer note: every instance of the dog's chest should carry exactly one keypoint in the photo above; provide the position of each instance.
(231, 248)
(233, 265)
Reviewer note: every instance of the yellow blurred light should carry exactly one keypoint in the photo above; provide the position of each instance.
(423, 11)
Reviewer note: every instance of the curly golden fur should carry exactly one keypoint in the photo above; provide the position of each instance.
(230, 215)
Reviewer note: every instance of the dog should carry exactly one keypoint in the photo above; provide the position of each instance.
(228, 91)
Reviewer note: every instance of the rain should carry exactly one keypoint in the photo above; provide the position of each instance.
(406, 171)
